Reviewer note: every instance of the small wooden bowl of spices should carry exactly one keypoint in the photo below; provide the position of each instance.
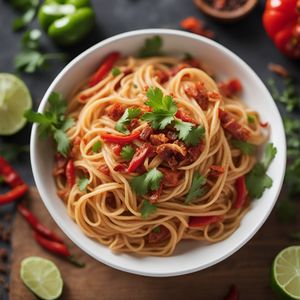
(226, 10)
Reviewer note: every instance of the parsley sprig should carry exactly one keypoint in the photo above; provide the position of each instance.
(53, 121)
(147, 209)
(245, 147)
(197, 189)
(152, 47)
(83, 183)
(127, 152)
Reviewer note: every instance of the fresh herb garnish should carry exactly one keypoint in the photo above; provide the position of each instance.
(127, 152)
(147, 182)
(83, 183)
(147, 209)
(129, 114)
(152, 47)
(97, 146)
(197, 188)
(195, 135)
(184, 128)
(156, 229)
(115, 71)
(53, 121)
(251, 119)
(257, 181)
(245, 147)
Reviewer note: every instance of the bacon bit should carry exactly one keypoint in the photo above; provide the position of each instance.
(170, 134)
(230, 88)
(171, 178)
(279, 70)
(199, 92)
(122, 168)
(134, 123)
(180, 114)
(116, 148)
(155, 195)
(104, 169)
(115, 111)
(162, 76)
(63, 194)
(216, 171)
(196, 26)
(214, 96)
(232, 126)
(127, 71)
(194, 152)
(157, 237)
(59, 165)
(158, 139)
(146, 132)
(264, 125)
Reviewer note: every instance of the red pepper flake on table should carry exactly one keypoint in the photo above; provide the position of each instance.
(196, 26)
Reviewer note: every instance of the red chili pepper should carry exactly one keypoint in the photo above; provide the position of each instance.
(139, 157)
(264, 125)
(116, 148)
(233, 293)
(36, 225)
(230, 87)
(104, 68)
(203, 221)
(120, 139)
(70, 173)
(9, 175)
(241, 191)
(14, 194)
(56, 248)
(184, 117)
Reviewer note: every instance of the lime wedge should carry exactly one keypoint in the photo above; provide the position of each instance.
(42, 277)
(285, 278)
(15, 99)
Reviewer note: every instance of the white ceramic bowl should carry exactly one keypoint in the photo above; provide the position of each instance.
(190, 256)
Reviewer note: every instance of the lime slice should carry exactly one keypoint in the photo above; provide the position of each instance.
(285, 278)
(42, 277)
(15, 99)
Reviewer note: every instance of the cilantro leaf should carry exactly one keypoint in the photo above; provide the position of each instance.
(24, 20)
(29, 61)
(147, 182)
(184, 128)
(96, 147)
(62, 141)
(197, 188)
(127, 152)
(269, 154)
(147, 209)
(115, 71)
(195, 135)
(250, 118)
(31, 39)
(245, 147)
(156, 229)
(83, 183)
(129, 114)
(152, 47)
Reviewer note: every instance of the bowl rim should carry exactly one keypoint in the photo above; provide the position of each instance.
(68, 232)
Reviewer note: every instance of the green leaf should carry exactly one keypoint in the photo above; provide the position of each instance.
(158, 120)
(127, 152)
(31, 39)
(152, 47)
(129, 114)
(147, 209)
(83, 183)
(115, 71)
(184, 128)
(195, 135)
(97, 146)
(245, 147)
(147, 182)
(67, 124)
(24, 20)
(30, 61)
(62, 141)
(197, 188)
(156, 229)
(251, 119)
(269, 154)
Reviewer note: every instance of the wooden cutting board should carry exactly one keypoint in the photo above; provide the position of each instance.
(248, 269)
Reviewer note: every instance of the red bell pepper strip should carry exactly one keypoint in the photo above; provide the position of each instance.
(104, 68)
(139, 157)
(203, 221)
(70, 173)
(233, 293)
(241, 191)
(14, 194)
(9, 175)
(57, 248)
(120, 139)
(36, 225)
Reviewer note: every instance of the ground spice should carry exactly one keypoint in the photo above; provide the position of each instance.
(226, 5)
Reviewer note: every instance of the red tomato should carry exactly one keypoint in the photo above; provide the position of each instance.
(281, 20)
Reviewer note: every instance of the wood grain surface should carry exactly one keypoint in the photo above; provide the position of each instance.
(248, 269)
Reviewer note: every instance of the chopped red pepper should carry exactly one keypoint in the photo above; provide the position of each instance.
(9, 175)
(116, 148)
(203, 221)
(139, 157)
(120, 139)
(196, 26)
(36, 225)
(184, 117)
(70, 173)
(230, 87)
(241, 191)
(104, 68)
(161, 235)
(216, 171)
(120, 168)
(264, 125)
(14, 194)
(233, 293)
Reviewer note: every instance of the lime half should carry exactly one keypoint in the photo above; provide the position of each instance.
(42, 277)
(286, 273)
(15, 99)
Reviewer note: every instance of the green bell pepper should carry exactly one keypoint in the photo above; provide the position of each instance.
(66, 21)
